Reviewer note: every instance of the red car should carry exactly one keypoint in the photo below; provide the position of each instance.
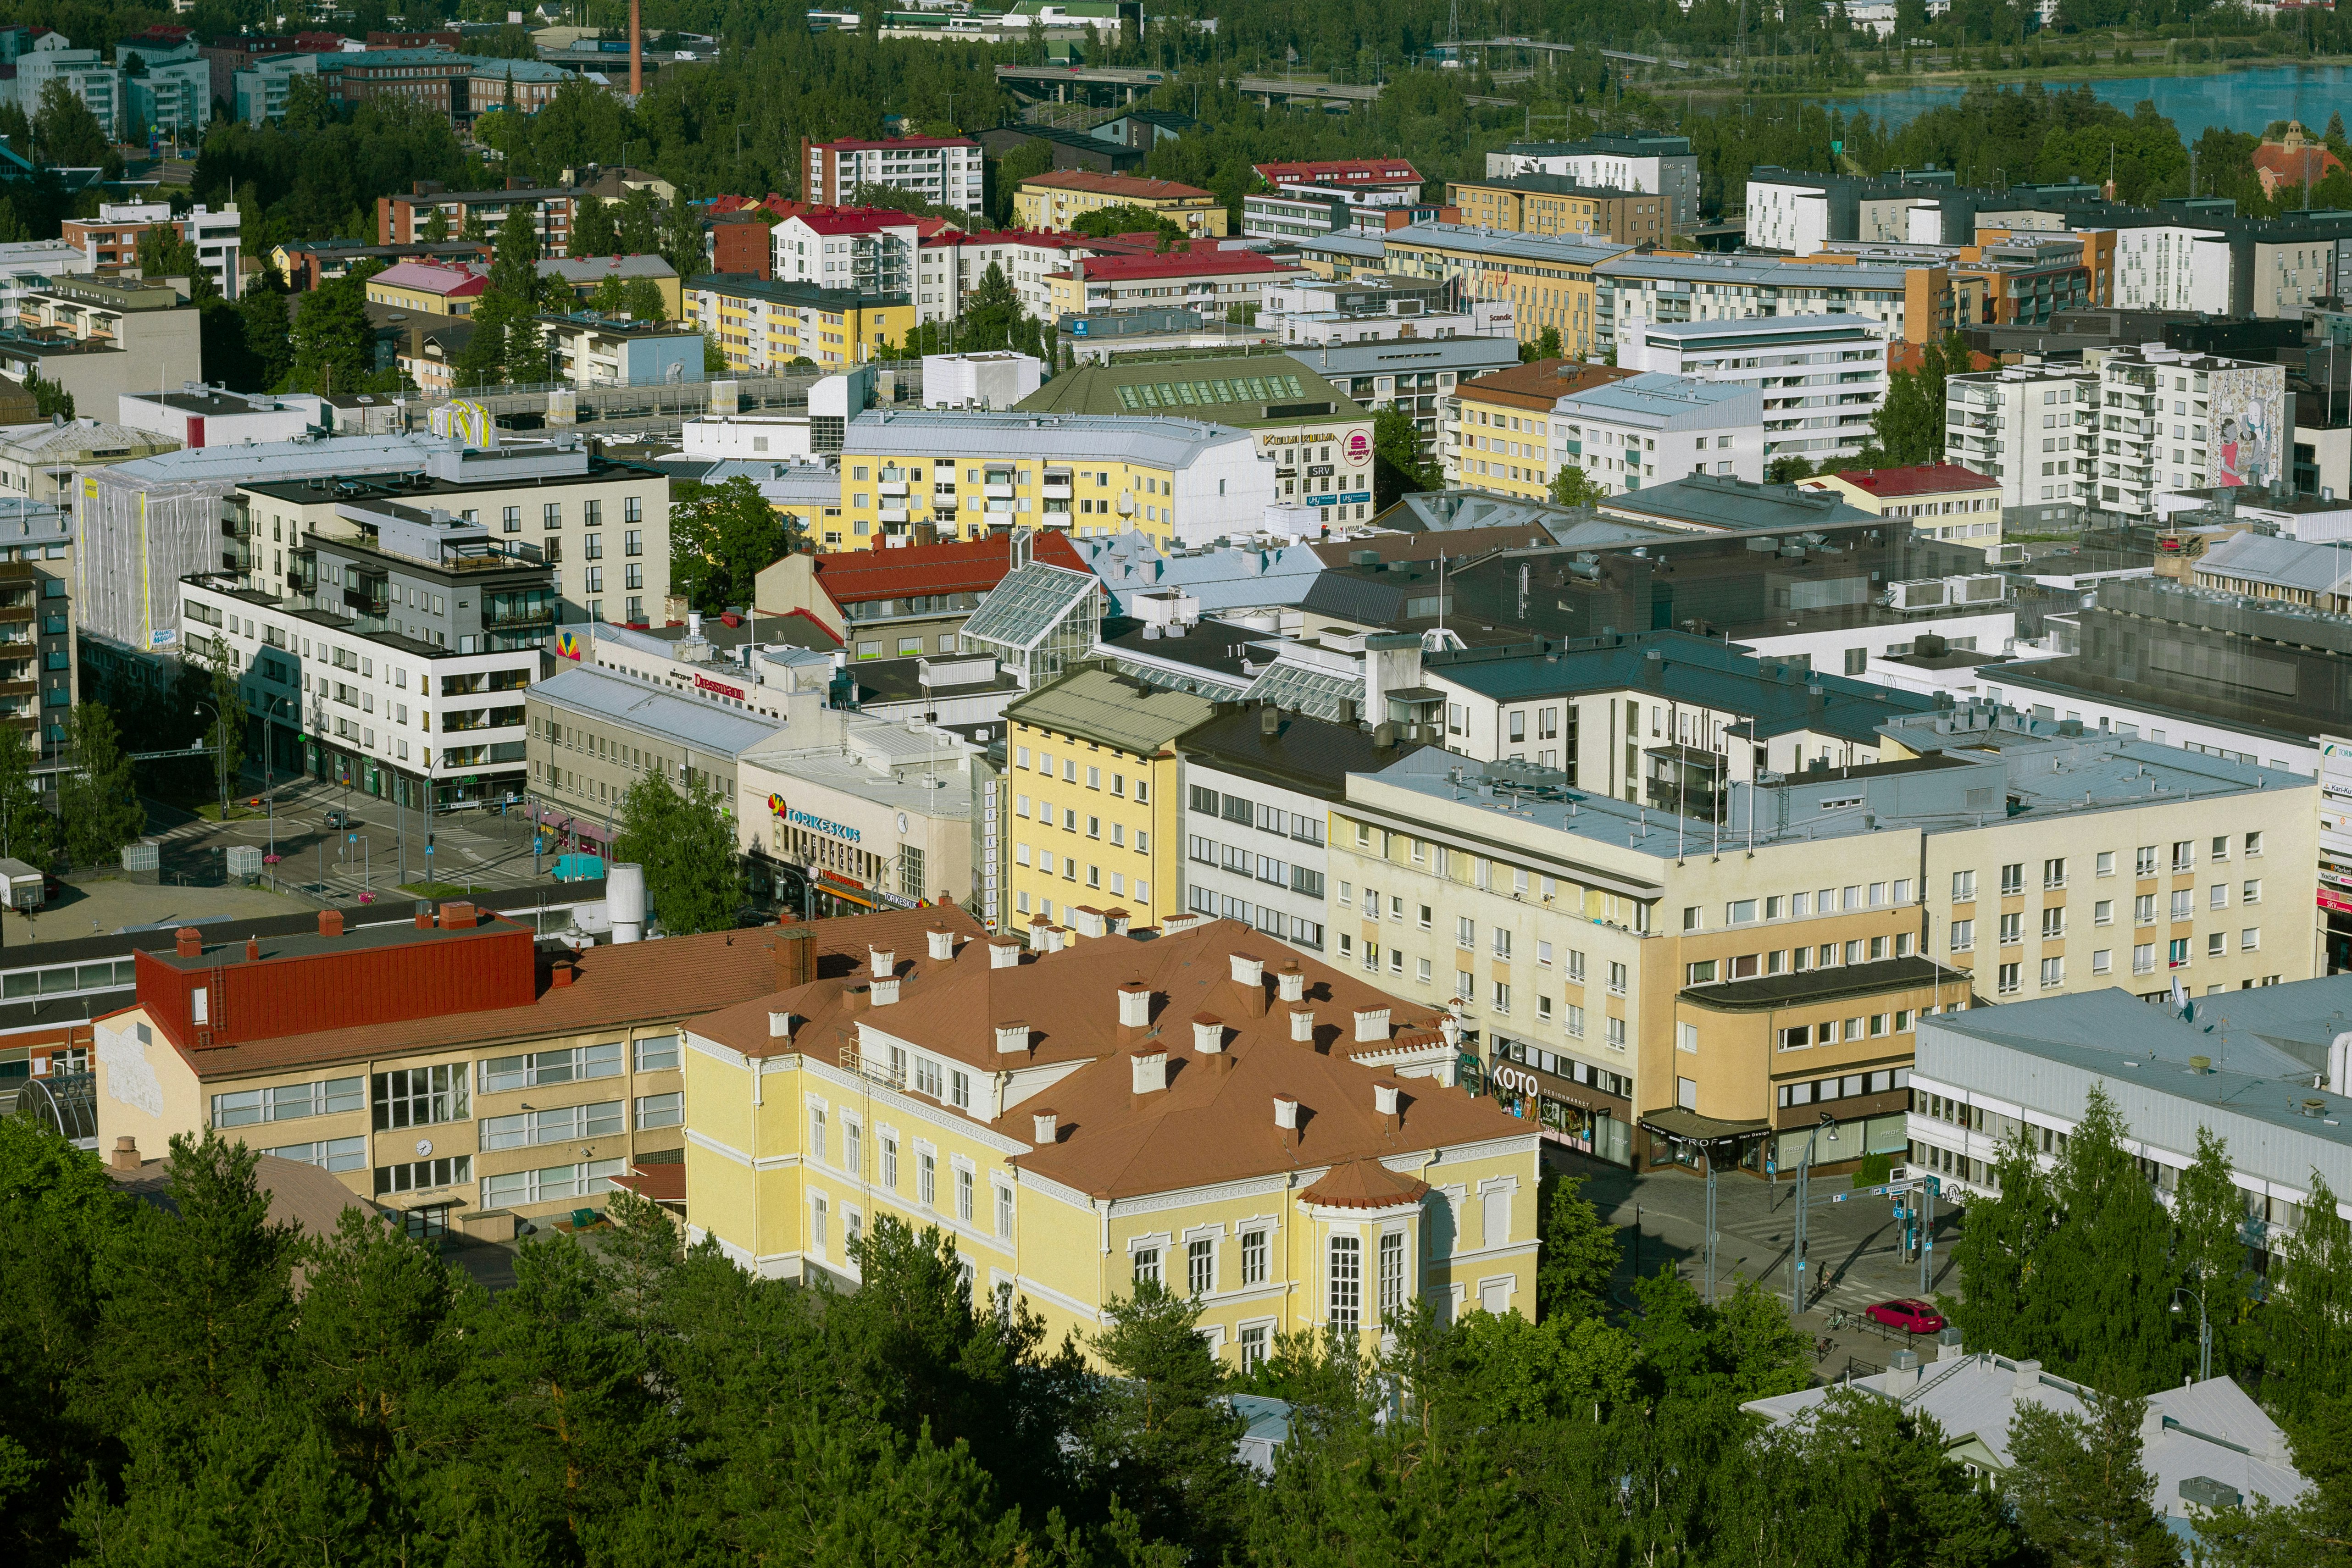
(1911, 1317)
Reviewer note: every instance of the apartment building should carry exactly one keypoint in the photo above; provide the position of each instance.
(1799, 212)
(1743, 1006)
(764, 327)
(877, 599)
(430, 287)
(951, 264)
(1943, 500)
(2171, 267)
(2169, 420)
(968, 474)
(1499, 434)
(51, 58)
(943, 170)
(1221, 284)
(1058, 199)
(1293, 1165)
(1632, 292)
(1627, 433)
(2031, 428)
(448, 1068)
(1416, 376)
(591, 349)
(1548, 279)
(1557, 205)
(1820, 378)
(402, 219)
(40, 670)
(1661, 165)
(1319, 441)
(99, 338)
(868, 250)
(1090, 832)
(110, 239)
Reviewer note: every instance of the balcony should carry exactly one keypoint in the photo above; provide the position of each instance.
(1061, 491)
(894, 514)
(894, 486)
(997, 493)
(481, 718)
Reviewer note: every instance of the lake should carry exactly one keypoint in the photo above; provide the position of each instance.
(2245, 99)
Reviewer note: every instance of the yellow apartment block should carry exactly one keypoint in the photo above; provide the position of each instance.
(1056, 200)
(763, 326)
(1277, 1141)
(1548, 278)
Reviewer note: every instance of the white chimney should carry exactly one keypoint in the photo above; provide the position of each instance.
(779, 1026)
(1302, 1024)
(1045, 1126)
(1384, 1098)
(1285, 1113)
(1004, 952)
(884, 992)
(1248, 971)
(1372, 1023)
(1041, 929)
(881, 961)
(1011, 1037)
(942, 942)
(1151, 1069)
(1135, 1004)
(2339, 1063)
(1293, 981)
(1208, 1034)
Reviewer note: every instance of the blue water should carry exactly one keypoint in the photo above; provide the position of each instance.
(2236, 101)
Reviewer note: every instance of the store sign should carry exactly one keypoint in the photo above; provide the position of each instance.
(829, 828)
(1516, 1079)
(1359, 447)
(1471, 1074)
(705, 684)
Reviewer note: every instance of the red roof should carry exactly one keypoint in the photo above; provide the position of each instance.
(857, 220)
(900, 142)
(970, 566)
(1132, 186)
(1340, 171)
(1194, 263)
(663, 1182)
(458, 282)
(1924, 479)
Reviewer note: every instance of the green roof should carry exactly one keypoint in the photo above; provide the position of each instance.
(1236, 389)
(1102, 706)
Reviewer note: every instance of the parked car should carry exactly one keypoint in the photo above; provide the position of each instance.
(1911, 1317)
(340, 818)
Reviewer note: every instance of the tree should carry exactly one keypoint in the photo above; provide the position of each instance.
(642, 299)
(1571, 487)
(2078, 1489)
(1863, 1479)
(714, 357)
(2305, 1335)
(333, 342)
(437, 227)
(593, 231)
(164, 252)
(98, 801)
(1157, 1434)
(28, 831)
(1397, 466)
(991, 313)
(2314, 1532)
(721, 537)
(1579, 1254)
(640, 224)
(2000, 1236)
(227, 732)
(1788, 470)
(50, 401)
(2109, 1270)
(66, 134)
(681, 237)
(1544, 345)
(2209, 1219)
(1128, 218)
(687, 847)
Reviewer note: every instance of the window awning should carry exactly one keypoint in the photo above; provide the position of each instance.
(1693, 1128)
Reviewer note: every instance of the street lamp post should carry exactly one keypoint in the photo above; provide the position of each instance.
(2204, 1331)
(220, 757)
(1797, 1237)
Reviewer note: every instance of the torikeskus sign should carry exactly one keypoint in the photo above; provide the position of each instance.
(814, 824)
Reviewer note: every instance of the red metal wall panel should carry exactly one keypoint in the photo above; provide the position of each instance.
(306, 993)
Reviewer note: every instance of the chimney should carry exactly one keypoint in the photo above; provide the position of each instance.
(190, 941)
(1285, 1116)
(1040, 927)
(1949, 1346)
(1302, 1025)
(1011, 1037)
(1151, 1071)
(2151, 1423)
(1292, 982)
(424, 916)
(1372, 1023)
(1208, 1033)
(253, 949)
(1385, 1099)
(330, 923)
(2028, 1375)
(1135, 1004)
(1269, 720)
(1249, 974)
(457, 916)
(560, 974)
(637, 53)
(941, 942)
(795, 956)
(1004, 952)
(1045, 1127)
(125, 1157)
(881, 962)
(1903, 1372)
(884, 991)
(779, 1026)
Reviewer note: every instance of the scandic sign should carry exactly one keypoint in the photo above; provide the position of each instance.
(704, 683)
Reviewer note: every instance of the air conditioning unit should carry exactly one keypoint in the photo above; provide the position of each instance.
(1988, 588)
(1929, 593)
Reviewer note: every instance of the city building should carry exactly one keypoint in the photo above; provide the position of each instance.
(1228, 283)
(1034, 626)
(1260, 784)
(2219, 421)
(1820, 378)
(1058, 199)
(1631, 291)
(1414, 376)
(1557, 205)
(1661, 165)
(403, 219)
(99, 338)
(958, 472)
(891, 603)
(514, 86)
(854, 812)
(943, 170)
(530, 1079)
(1248, 581)
(1290, 1163)
(868, 250)
(2260, 1069)
(1378, 310)
(1548, 279)
(306, 263)
(590, 349)
(1090, 818)
(765, 326)
(2032, 428)
(1492, 418)
(949, 263)
(40, 667)
(431, 286)
(1944, 500)
(998, 380)
(1625, 433)
(1799, 212)
(585, 275)
(1317, 440)
(37, 462)
(110, 240)
(51, 58)
(170, 100)
(596, 732)
(198, 415)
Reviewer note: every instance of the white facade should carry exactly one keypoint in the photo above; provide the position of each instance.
(949, 173)
(1820, 378)
(1788, 216)
(53, 57)
(876, 259)
(2171, 267)
(198, 416)
(1630, 291)
(1253, 851)
(1674, 176)
(1225, 491)
(979, 381)
(1652, 428)
(2169, 420)
(2028, 426)
(777, 437)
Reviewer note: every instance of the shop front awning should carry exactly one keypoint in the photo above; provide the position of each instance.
(1693, 1128)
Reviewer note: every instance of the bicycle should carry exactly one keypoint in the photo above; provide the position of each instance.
(1838, 1319)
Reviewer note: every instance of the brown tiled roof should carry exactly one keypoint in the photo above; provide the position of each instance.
(615, 986)
(1540, 381)
(1365, 1183)
(1214, 1123)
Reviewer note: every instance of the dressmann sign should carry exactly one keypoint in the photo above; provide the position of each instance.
(814, 824)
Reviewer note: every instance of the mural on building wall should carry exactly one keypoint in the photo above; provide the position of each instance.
(2248, 417)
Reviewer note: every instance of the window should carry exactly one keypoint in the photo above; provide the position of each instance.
(2012, 929)
(1347, 1295)
(2254, 844)
(963, 1194)
(338, 1155)
(288, 1102)
(2184, 855)
(2216, 944)
(1391, 1278)
(559, 1125)
(1252, 1347)
(1147, 1265)
(2176, 952)
(2144, 958)
(1502, 942)
(2220, 848)
(1964, 886)
(1465, 932)
(418, 1096)
(1616, 1034)
(2101, 961)
(2144, 909)
(2053, 923)
(1252, 1257)
(2012, 877)
(2106, 862)
(890, 1161)
(817, 1133)
(501, 1073)
(2249, 940)
(2144, 860)
(927, 1178)
(421, 1175)
(2053, 973)
(2009, 979)
(2102, 913)
(660, 1109)
(2183, 903)
(655, 1052)
(817, 1222)
(1963, 934)
(2053, 873)
(1201, 1267)
(1616, 979)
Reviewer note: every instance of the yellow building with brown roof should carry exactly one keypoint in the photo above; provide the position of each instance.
(1059, 199)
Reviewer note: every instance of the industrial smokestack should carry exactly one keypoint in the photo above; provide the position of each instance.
(636, 51)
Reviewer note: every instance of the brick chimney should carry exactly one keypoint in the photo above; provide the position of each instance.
(189, 942)
(941, 942)
(458, 915)
(1372, 1023)
(1208, 1034)
(330, 923)
(795, 947)
(1249, 974)
(253, 950)
(1004, 952)
(1135, 1004)
(1302, 1025)
(1149, 1069)
(1292, 982)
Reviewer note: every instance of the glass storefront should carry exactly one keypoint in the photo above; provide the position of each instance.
(1571, 1101)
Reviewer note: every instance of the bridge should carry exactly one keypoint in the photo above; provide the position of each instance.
(1278, 89)
(1064, 84)
(1540, 46)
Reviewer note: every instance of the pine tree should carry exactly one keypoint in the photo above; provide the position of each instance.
(2078, 1489)
(1580, 1256)
(1157, 1434)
